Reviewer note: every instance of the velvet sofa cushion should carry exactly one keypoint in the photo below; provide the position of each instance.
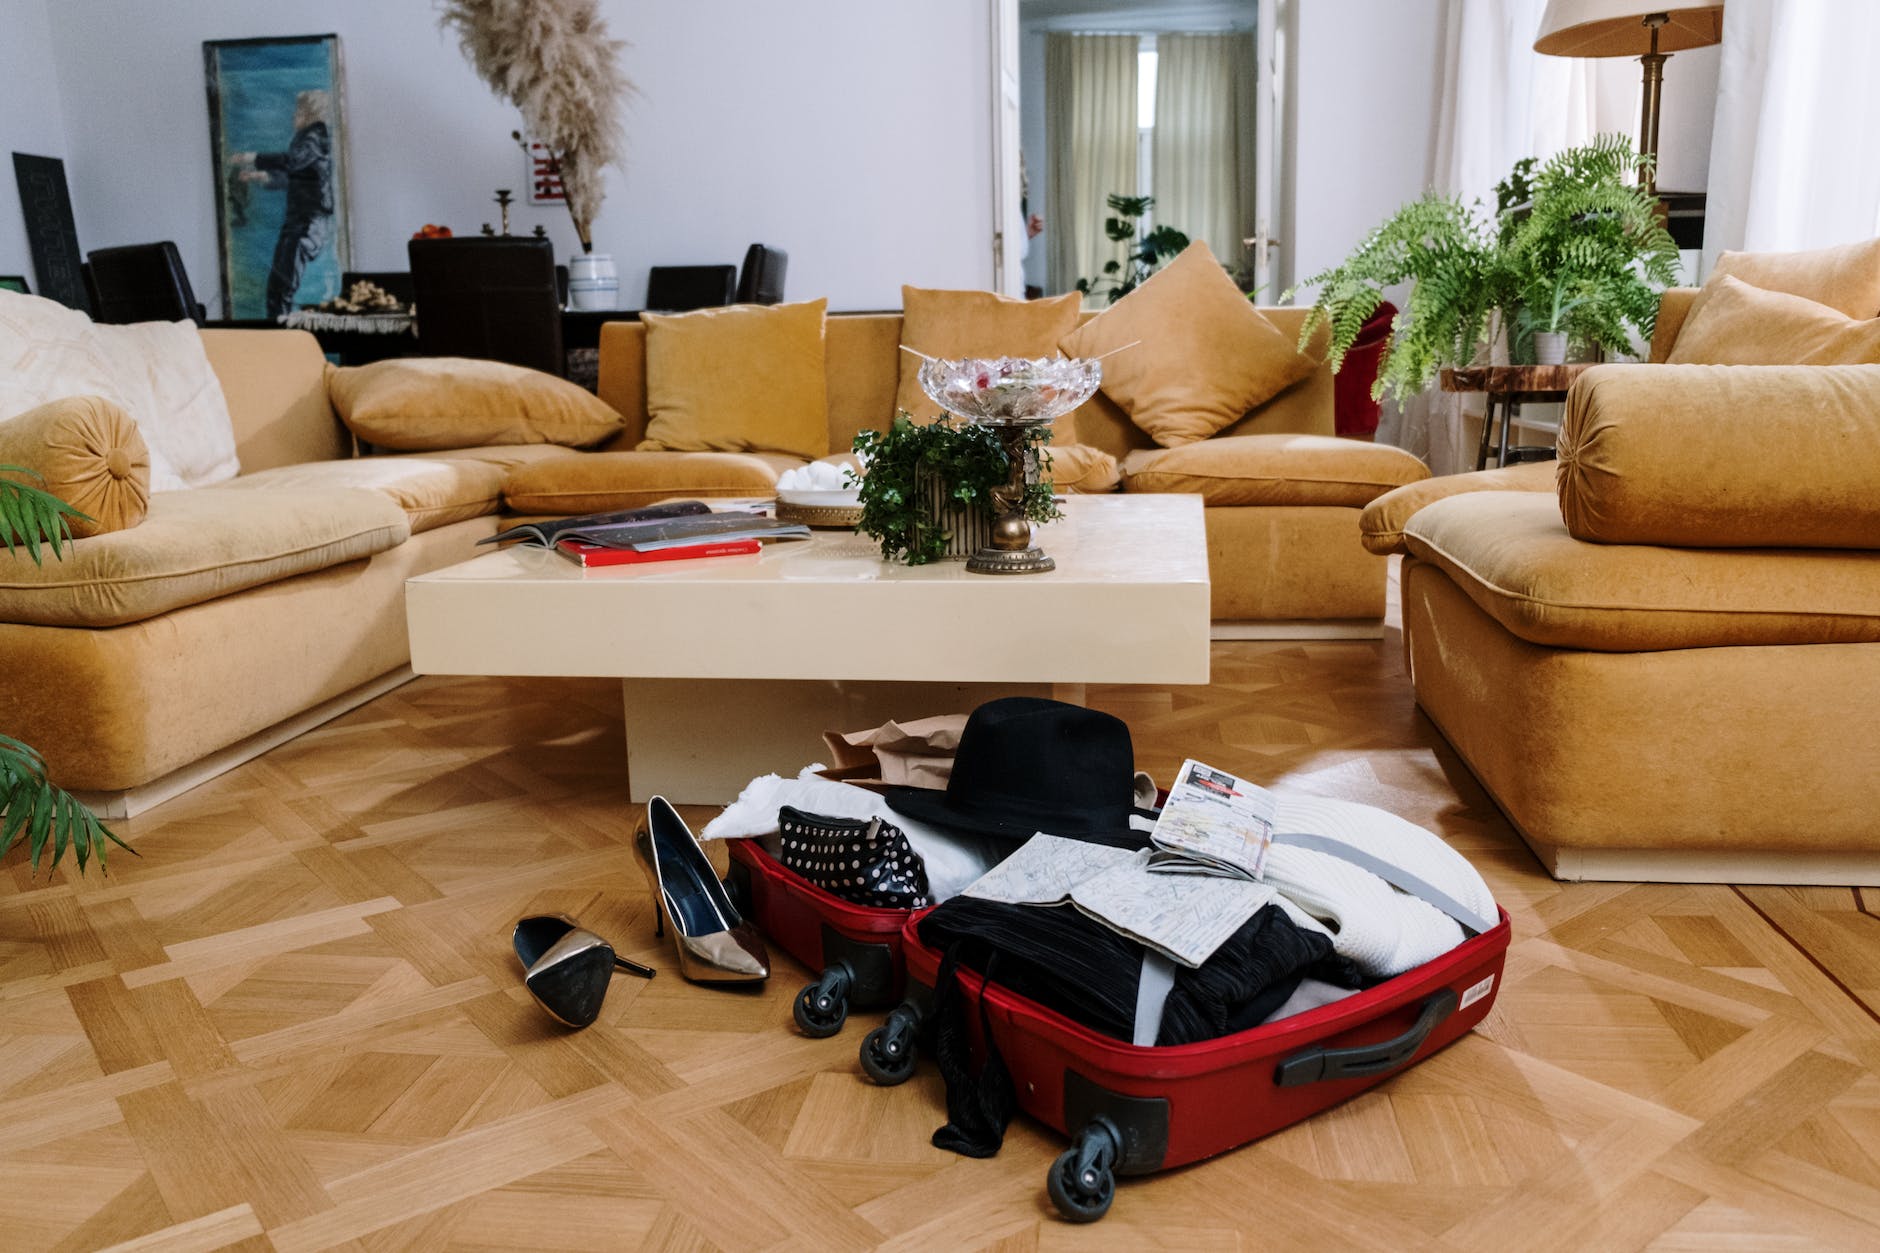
(1380, 526)
(954, 324)
(1723, 456)
(1192, 354)
(745, 378)
(1082, 469)
(421, 404)
(596, 482)
(1732, 323)
(1274, 470)
(1511, 553)
(88, 453)
(433, 491)
(1845, 277)
(195, 546)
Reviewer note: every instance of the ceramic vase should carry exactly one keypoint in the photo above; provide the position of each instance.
(1550, 347)
(592, 281)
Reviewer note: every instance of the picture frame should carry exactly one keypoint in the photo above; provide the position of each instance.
(544, 174)
(277, 135)
(15, 282)
(46, 207)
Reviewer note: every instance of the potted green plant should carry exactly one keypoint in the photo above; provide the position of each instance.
(1572, 248)
(924, 481)
(1144, 252)
(32, 807)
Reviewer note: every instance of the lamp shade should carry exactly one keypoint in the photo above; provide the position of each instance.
(1616, 28)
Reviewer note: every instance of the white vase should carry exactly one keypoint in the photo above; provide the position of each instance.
(592, 282)
(1550, 347)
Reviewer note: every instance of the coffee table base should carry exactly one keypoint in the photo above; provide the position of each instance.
(699, 741)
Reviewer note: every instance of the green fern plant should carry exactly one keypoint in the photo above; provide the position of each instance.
(32, 807)
(1571, 246)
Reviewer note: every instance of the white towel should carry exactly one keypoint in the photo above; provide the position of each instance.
(953, 859)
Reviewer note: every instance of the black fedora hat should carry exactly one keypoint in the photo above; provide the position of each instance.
(1026, 764)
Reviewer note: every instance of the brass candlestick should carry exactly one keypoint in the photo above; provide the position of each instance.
(502, 200)
(1010, 550)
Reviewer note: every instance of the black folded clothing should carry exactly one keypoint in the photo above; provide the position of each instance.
(1064, 959)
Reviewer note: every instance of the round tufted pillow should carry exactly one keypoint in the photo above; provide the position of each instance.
(89, 454)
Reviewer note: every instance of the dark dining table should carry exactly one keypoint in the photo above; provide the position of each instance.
(580, 329)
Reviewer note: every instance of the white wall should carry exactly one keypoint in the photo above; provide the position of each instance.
(1364, 95)
(30, 119)
(797, 124)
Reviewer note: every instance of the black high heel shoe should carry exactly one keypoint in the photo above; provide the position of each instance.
(567, 969)
(713, 944)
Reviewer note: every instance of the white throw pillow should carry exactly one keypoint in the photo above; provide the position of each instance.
(156, 371)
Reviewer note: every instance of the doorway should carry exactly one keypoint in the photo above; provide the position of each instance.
(1168, 101)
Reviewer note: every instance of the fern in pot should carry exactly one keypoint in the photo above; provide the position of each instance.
(34, 810)
(1572, 248)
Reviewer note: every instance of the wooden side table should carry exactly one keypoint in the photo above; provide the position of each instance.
(1509, 387)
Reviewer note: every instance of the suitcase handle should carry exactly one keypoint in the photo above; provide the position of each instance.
(1318, 1065)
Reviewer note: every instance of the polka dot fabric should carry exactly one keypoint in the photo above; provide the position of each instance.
(865, 861)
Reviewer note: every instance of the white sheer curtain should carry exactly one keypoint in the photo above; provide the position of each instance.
(1201, 166)
(1502, 101)
(1090, 116)
(1795, 148)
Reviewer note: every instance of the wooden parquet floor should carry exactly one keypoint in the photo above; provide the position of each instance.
(295, 1023)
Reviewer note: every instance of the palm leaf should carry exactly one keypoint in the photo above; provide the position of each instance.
(31, 516)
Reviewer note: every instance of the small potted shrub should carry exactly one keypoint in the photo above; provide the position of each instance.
(926, 492)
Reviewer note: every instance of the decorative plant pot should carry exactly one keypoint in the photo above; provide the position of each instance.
(1550, 347)
(592, 281)
(968, 527)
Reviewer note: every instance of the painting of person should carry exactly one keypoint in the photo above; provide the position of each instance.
(276, 122)
(305, 173)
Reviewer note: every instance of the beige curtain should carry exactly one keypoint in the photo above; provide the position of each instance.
(1090, 119)
(1202, 163)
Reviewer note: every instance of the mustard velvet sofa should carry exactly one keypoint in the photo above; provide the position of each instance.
(1282, 494)
(1661, 655)
(237, 615)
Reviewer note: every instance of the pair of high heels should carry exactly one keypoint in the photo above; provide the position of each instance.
(712, 942)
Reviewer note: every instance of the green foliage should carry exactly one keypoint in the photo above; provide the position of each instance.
(969, 458)
(1143, 252)
(1571, 247)
(30, 517)
(32, 808)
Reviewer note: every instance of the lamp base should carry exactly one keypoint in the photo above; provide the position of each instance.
(1003, 561)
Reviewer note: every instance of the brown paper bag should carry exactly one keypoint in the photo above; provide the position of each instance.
(896, 754)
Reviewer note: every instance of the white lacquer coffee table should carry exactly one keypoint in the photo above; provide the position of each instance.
(733, 667)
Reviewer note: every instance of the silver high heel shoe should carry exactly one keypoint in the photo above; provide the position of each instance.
(567, 969)
(713, 944)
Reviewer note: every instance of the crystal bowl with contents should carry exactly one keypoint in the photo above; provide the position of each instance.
(998, 390)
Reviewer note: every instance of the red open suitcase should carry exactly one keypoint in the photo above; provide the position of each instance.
(1130, 1110)
(856, 947)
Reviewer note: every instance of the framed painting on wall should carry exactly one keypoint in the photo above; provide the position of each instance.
(277, 129)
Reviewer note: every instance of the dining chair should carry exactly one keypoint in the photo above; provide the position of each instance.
(681, 288)
(760, 282)
(492, 298)
(141, 283)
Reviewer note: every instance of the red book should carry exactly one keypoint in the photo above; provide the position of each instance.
(591, 555)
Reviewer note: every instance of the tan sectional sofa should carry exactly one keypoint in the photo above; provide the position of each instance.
(154, 656)
(1661, 656)
(237, 615)
(1282, 494)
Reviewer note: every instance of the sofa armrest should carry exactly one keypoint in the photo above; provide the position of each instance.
(1706, 456)
(1381, 524)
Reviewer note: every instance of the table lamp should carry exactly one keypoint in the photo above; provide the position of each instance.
(1620, 28)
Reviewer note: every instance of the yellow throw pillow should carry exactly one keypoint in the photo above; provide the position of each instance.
(88, 453)
(422, 404)
(1732, 323)
(1845, 277)
(1203, 355)
(745, 378)
(954, 324)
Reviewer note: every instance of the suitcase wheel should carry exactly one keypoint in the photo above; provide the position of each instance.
(888, 1052)
(823, 1006)
(1082, 1182)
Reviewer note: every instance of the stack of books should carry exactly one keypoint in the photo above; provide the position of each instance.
(677, 531)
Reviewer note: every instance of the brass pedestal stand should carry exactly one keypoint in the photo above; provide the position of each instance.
(1010, 550)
